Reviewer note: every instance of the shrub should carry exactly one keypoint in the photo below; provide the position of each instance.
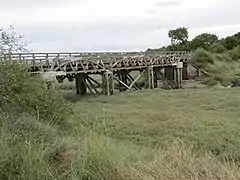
(235, 53)
(29, 142)
(201, 58)
(217, 48)
(26, 92)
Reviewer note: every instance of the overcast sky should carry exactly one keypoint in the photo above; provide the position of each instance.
(114, 25)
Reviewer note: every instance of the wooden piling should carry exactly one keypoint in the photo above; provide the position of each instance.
(185, 71)
(169, 72)
(150, 79)
(80, 83)
(178, 75)
(107, 83)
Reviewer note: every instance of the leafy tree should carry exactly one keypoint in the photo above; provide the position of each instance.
(178, 36)
(231, 41)
(203, 41)
(10, 41)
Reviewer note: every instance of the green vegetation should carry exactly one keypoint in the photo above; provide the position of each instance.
(180, 42)
(236, 53)
(217, 48)
(144, 135)
(136, 135)
(218, 57)
(202, 58)
(221, 68)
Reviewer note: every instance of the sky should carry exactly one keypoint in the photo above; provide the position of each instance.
(114, 25)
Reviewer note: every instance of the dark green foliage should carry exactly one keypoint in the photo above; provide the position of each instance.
(178, 36)
(203, 41)
(217, 48)
(206, 41)
(179, 39)
(231, 41)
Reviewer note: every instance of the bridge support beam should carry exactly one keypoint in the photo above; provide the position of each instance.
(122, 76)
(107, 83)
(150, 77)
(178, 75)
(80, 82)
(169, 72)
(185, 71)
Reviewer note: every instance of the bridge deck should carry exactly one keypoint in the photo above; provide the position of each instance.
(96, 62)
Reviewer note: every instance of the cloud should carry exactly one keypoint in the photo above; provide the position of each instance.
(14, 4)
(168, 3)
(104, 25)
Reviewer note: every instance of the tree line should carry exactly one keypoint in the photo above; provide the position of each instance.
(180, 42)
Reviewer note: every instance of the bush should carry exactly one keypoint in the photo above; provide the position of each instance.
(26, 92)
(217, 48)
(201, 58)
(235, 53)
(29, 141)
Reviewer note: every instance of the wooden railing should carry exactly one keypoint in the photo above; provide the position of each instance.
(51, 56)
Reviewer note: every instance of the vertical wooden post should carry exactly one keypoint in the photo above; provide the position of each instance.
(80, 81)
(103, 83)
(107, 83)
(155, 78)
(150, 78)
(122, 77)
(185, 71)
(111, 82)
(178, 75)
(199, 73)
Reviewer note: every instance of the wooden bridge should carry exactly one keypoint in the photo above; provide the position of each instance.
(115, 69)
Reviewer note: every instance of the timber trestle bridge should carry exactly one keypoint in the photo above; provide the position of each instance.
(103, 73)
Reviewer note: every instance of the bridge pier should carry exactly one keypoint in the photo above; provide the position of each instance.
(107, 83)
(185, 71)
(122, 76)
(178, 75)
(169, 73)
(156, 77)
(80, 82)
(174, 75)
(150, 77)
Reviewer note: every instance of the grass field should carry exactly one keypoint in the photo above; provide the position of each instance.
(176, 134)
(208, 119)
